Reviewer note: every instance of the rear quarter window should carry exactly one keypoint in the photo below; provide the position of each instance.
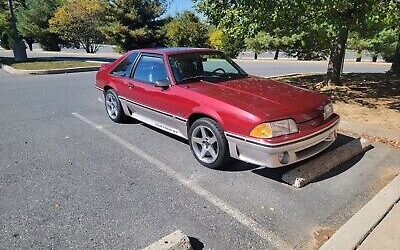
(125, 66)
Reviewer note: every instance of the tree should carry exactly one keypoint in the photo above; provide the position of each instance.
(232, 22)
(310, 44)
(393, 20)
(18, 45)
(33, 21)
(215, 39)
(5, 34)
(359, 44)
(342, 17)
(333, 19)
(186, 30)
(259, 43)
(80, 21)
(133, 24)
(264, 41)
(6, 41)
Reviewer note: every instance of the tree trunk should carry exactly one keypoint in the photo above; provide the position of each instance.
(374, 58)
(29, 41)
(19, 50)
(255, 55)
(18, 45)
(276, 54)
(396, 59)
(87, 47)
(336, 59)
(359, 55)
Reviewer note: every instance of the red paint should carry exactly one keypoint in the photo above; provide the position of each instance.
(238, 105)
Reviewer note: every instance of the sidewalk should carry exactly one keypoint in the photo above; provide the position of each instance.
(374, 226)
(387, 234)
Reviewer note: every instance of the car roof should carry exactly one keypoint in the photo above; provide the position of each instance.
(174, 50)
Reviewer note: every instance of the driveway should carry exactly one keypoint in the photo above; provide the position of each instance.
(70, 178)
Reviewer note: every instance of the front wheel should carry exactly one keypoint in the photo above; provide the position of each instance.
(208, 143)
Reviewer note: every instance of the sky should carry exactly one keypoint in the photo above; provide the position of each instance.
(177, 6)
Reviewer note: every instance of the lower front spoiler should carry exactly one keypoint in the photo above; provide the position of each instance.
(274, 156)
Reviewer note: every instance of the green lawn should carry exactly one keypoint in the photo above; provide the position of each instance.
(45, 64)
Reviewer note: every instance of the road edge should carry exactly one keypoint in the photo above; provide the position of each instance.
(11, 70)
(358, 227)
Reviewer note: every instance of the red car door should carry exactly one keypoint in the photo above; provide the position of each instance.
(149, 103)
(119, 76)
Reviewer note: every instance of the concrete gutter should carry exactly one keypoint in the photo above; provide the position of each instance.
(175, 241)
(354, 231)
(49, 71)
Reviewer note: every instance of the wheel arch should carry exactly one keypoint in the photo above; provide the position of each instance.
(198, 115)
(107, 87)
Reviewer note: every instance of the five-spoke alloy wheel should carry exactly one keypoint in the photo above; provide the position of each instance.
(113, 106)
(208, 143)
(205, 144)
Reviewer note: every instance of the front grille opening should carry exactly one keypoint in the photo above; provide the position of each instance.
(312, 150)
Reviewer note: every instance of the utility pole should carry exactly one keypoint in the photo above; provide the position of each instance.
(18, 45)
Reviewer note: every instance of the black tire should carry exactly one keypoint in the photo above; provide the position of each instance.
(120, 116)
(223, 156)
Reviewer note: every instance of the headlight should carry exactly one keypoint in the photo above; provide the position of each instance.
(274, 129)
(328, 110)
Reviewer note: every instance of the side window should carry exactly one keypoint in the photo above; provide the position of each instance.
(150, 69)
(124, 67)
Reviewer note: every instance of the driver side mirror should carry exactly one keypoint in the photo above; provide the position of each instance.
(163, 83)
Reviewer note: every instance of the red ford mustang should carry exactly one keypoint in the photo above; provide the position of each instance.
(205, 97)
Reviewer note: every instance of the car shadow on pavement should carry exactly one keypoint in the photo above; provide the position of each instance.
(277, 173)
(177, 138)
(131, 121)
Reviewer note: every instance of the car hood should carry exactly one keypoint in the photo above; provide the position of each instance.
(265, 98)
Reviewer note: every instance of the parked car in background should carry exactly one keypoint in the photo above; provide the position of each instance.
(205, 97)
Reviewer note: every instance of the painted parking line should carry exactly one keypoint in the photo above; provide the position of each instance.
(236, 214)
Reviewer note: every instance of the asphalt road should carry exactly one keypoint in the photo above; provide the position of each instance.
(82, 182)
(262, 67)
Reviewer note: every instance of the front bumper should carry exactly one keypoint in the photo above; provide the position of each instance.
(273, 156)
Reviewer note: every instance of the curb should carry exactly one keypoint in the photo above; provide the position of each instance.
(355, 230)
(175, 241)
(11, 70)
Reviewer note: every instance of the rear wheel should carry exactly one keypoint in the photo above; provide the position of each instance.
(113, 107)
(208, 143)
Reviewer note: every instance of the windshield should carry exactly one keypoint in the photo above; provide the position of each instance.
(210, 66)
